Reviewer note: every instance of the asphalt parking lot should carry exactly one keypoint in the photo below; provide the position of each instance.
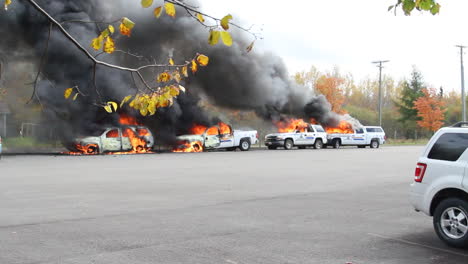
(299, 206)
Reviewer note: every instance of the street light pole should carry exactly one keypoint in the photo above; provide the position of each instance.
(462, 83)
(380, 66)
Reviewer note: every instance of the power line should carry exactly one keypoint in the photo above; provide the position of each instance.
(380, 66)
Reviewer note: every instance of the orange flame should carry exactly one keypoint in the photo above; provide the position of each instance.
(224, 128)
(343, 128)
(127, 120)
(198, 130)
(291, 125)
(195, 146)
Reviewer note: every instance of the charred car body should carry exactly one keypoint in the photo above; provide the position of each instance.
(221, 136)
(138, 139)
(311, 135)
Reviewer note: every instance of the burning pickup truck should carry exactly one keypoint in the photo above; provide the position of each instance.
(128, 139)
(300, 135)
(221, 136)
(345, 135)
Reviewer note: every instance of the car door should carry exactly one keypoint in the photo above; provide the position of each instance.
(126, 142)
(112, 140)
(359, 138)
(212, 137)
(310, 135)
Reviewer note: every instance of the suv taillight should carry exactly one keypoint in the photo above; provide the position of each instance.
(419, 172)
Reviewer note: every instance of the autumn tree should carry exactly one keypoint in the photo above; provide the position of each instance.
(430, 109)
(330, 87)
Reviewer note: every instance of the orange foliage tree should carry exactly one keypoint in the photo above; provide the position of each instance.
(330, 87)
(430, 109)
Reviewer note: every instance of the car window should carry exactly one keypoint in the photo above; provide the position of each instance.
(449, 146)
(112, 134)
(359, 131)
(379, 129)
(319, 128)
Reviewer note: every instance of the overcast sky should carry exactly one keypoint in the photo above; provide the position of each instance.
(352, 34)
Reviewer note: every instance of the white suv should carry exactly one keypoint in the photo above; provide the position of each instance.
(440, 187)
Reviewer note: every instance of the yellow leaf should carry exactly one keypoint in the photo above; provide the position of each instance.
(250, 47)
(128, 23)
(113, 106)
(146, 3)
(185, 71)
(225, 22)
(158, 11)
(200, 17)
(203, 60)
(171, 61)
(174, 91)
(194, 66)
(68, 92)
(111, 29)
(125, 30)
(97, 43)
(164, 77)
(108, 109)
(214, 37)
(7, 3)
(144, 111)
(76, 96)
(126, 99)
(109, 45)
(176, 76)
(170, 9)
(226, 37)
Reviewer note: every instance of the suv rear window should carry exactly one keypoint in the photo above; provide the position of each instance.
(449, 146)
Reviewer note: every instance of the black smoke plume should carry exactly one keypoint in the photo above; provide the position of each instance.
(234, 79)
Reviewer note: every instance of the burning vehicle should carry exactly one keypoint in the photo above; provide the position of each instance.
(221, 136)
(345, 135)
(130, 139)
(298, 133)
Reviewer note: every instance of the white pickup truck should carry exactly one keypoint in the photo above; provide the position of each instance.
(115, 139)
(372, 136)
(217, 138)
(312, 135)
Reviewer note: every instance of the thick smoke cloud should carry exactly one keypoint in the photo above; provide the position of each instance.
(234, 78)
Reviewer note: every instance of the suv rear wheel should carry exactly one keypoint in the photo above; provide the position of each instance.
(374, 144)
(336, 143)
(451, 222)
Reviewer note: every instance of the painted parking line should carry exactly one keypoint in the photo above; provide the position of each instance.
(418, 244)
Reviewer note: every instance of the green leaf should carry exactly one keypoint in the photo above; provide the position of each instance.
(408, 6)
(426, 4)
(390, 7)
(146, 3)
(435, 9)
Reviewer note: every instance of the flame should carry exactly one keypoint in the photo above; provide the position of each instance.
(127, 120)
(291, 125)
(198, 130)
(195, 146)
(343, 128)
(224, 128)
(138, 143)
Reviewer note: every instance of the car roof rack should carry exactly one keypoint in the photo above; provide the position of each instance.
(460, 124)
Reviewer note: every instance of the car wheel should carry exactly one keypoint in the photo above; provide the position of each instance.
(336, 143)
(288, 144)
(451, 222)
(244, 145)
(361, 146)
(271, 147)
(318, 144)
(374, 144)
(301, 147)
(92, 149)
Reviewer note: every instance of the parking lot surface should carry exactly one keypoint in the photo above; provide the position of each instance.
(298, 206)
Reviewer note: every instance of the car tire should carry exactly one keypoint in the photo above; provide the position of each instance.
(288, 144)
(336, 143)
(272, 147)
(451, 222)
(318, 144)
(301, 147)
(374, 144)
(361, 146)
(244, 145)
(92, 150)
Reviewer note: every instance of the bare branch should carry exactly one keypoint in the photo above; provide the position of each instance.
(41, 64)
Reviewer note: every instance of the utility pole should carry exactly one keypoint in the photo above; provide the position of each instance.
(380, 66)
(462, 83)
